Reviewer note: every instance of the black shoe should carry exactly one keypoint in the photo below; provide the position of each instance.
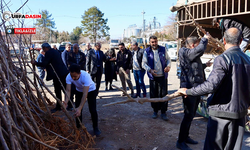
(97, 132)
(191, 141)
(155, 115)
(182, 146)
(69, 108)
(164, 117)
(134, 96)
(54, 110)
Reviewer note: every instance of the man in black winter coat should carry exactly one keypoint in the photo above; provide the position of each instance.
(191, 75)
(76, 57)
(124, 61)
(53, 59)
(228, 103)
(226, 23)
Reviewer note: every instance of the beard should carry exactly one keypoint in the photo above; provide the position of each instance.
(155, 47)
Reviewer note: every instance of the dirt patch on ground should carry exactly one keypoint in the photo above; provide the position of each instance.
(130, 127)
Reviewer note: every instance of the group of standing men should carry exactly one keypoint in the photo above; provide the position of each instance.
(155, 61)
(75, 71)
(228, 83)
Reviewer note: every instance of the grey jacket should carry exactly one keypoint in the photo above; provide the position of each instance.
(229, 83)
(91, 61)
(139, 56)
(228, 23)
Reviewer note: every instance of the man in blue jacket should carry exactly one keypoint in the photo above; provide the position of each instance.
(229, 85)
(157, 64)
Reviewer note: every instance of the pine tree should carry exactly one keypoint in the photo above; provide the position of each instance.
(94, 25)
(46, 23)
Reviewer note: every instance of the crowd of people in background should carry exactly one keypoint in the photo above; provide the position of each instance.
(80, 73)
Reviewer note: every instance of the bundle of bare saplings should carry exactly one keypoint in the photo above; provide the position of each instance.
(25, 118)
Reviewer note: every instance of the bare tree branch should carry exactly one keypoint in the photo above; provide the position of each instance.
(143, 100)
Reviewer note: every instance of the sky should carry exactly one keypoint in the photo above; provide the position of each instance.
(120, 14)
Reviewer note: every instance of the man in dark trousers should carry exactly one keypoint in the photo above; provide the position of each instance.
(191, 75)
(94, 64)
(138, 71)
(229, 87)
(157, 64)
(124, 61)
(53, 58)
(226, 23)
(75, 57)
(85, 90)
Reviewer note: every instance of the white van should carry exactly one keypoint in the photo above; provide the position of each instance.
(171, 48)
(114, 44)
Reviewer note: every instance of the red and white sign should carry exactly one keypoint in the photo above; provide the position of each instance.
(24, 30)
(33, 16)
